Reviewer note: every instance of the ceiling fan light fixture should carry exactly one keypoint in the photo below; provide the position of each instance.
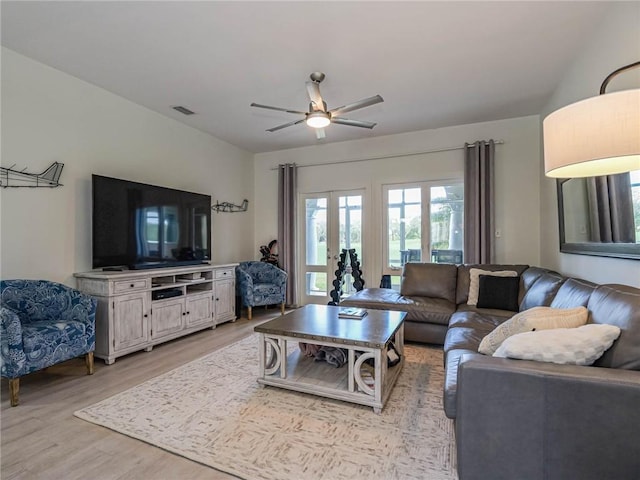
(318, 119)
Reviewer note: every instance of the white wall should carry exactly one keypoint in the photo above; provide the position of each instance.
(50, 116)
(615, 44)
(517, 185)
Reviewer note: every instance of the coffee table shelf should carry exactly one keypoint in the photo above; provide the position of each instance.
(368, 338)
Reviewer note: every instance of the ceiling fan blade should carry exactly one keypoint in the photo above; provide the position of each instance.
(279, 127)
(356, 105)
(313, 89)
(352, 123)
(278, 109)
(320, 133)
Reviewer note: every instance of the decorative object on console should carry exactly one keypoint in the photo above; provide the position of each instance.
(318, 116)
(596, 136)
(10, 177)
(43, 323)
(575, 346)
(536, 318)
(228, 207)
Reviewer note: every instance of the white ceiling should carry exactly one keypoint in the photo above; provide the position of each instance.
(436, 64)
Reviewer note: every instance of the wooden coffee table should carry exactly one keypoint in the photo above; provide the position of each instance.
(366, 338)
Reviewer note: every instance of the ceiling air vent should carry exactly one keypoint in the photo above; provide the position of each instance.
(183, 110)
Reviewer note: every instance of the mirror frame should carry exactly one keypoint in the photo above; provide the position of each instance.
(618, 250)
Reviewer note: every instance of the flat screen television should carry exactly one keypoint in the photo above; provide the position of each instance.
(137, 226)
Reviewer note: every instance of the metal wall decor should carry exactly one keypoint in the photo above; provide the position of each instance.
(10, 177)
(229, 207)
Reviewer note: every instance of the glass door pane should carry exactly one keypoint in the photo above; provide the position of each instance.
(350, 234)
(315, 246)
(332, 222)
(404, 216)
(446, 218)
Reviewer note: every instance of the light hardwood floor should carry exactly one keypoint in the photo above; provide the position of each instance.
(41, 439)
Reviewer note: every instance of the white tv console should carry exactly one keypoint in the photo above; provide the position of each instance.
(136, 309)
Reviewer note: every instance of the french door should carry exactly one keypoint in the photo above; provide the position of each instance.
(331, 221)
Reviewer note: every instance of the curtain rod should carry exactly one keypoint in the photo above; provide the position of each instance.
(394, 155)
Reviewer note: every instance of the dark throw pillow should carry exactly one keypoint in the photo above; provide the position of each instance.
(498, 292)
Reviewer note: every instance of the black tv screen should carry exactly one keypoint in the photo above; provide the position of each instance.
(136, 225)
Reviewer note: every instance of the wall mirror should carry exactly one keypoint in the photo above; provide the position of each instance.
(600, 215)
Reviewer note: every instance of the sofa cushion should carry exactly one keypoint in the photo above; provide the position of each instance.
(537, 318)
(419, 309)
(474, 281)
(575, 346)
(427, 309)
(435, 280)
(574, 292)
(543, 290)
(462, 285)
(498, 292)
(492, 312)
(618, 305)
(466, 330)
(474, 316)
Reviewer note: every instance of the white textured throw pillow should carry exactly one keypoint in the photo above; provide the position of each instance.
(474, 281)
(536, 318)
(574, 346)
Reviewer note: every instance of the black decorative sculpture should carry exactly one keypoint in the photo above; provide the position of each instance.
(352, 267)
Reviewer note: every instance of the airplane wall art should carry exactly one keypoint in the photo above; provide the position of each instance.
(10, 177)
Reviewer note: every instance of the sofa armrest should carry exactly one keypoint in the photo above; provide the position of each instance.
(244, 282)
(531, 420)
(281, 279)
(13, 358)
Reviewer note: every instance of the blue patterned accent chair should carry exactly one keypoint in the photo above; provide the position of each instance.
(43, 323)
(260, 283)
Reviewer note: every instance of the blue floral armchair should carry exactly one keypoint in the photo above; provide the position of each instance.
(43, 323)
(260, 283)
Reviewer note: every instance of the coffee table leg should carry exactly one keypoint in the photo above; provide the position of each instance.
(261, 355)
(273, 347)
(282, 343)
(351, 362)
(379, 376)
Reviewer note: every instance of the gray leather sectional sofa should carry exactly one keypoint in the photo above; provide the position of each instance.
(520, 419)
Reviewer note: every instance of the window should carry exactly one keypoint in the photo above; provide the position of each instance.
(635, 195)
(414, 237)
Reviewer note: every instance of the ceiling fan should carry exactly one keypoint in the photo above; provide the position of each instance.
(318, 116)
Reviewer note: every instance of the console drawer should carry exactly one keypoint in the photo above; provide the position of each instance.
(225, 273)
(133, 285)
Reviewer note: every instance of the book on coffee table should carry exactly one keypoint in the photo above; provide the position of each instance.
(352, 312)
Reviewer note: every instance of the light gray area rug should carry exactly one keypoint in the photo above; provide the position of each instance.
(213, 411)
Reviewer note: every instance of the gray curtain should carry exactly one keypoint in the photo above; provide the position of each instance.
(611, 209)
(287, 208)
(478, 201)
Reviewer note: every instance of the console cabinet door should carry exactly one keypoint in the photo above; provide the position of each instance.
(199, 309)
(130, 320)
(225, 300)
(168, 317)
